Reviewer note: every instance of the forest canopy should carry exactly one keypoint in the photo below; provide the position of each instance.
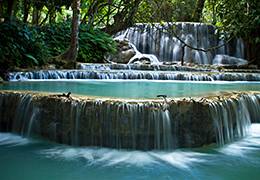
(32, 31)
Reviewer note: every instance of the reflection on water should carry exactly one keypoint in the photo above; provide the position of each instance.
(23, 158)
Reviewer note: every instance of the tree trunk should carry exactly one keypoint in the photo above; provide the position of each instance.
(25, 10)
(1, 9)
(10, 10)
(35, 16)
(72, 52)
(198, 11)
(252, 48)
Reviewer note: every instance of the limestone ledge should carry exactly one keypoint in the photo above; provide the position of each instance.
(129, 74)
(219, 97)
(143, 124)
(173, 66)
(148, 67)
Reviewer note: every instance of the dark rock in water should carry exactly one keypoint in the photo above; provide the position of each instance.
(124, 52)
(131, 124)
(128, 53)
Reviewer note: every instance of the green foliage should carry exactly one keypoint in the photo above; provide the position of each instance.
(57, 37)
(238, 17)
(20, 46)
(93, 44)
(26, 46)
(165, 10)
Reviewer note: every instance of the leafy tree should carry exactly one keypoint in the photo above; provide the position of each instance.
(197, 14)
(238, 18)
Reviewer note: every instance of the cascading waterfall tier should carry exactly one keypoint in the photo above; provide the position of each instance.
(131, 124)
(232, 117)
(157, 39)
(128, 74)
(144, 67)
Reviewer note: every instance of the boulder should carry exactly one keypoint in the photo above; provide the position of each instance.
(124, 52)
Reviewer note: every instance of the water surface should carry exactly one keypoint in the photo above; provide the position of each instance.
(132, 88)
(23, 158)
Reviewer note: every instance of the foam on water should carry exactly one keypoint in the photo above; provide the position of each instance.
(181, 159)
(245, 145)
(112, 157)
(54, 161)
(8, 139)
(102, 156)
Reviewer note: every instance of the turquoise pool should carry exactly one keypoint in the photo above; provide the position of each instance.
(132, 88)
(22, 158)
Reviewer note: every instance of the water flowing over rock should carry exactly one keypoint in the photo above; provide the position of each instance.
(228, 60)
(124, 52)
(129, 74)
(232, 117)
(156, 39)
(128, 53)
(131, 124)
(145, 67)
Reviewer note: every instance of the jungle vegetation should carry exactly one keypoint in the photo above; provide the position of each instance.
(33, 32)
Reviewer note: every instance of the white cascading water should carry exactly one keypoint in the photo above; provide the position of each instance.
(233, 117)
(138, 55)
(24, 115)
(119, 124)
(117, 74)
(156, 39)
(240, 48)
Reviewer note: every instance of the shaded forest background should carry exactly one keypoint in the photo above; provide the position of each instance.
(32, 32)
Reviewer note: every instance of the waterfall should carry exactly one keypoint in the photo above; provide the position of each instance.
(131, 124)
(22, 112)
(139, 56)
(95, 123)
(129, 74)
(151, 67)
(157, 39)
(240, 48)
(228, 60)
(232, 117)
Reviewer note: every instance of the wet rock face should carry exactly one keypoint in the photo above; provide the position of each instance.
(132, 124)
(192, 123)
(124, 52)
